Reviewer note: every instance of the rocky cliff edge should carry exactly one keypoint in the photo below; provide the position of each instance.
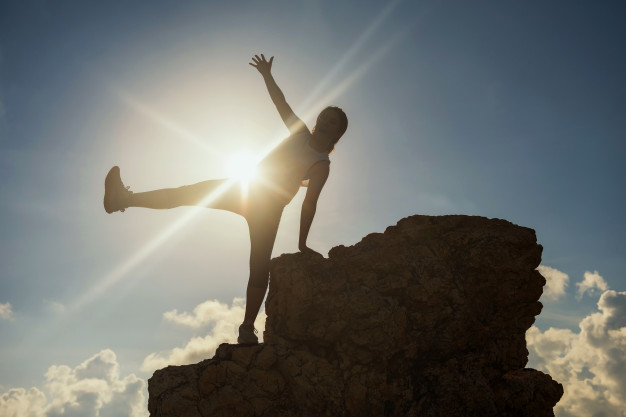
(426, 319)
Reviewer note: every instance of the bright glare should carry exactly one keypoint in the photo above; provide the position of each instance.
(241, 166)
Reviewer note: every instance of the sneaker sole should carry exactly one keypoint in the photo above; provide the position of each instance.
(112, 177)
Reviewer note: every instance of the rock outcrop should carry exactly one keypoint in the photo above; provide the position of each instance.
(426, 319)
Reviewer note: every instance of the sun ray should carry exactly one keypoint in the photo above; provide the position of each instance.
(313, 104)
(165, 122)
(144, 252)
(358, 72)
(349, 55)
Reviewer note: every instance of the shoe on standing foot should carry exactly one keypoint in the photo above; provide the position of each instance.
(247, 335)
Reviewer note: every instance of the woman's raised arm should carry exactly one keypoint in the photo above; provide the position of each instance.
(293, 122)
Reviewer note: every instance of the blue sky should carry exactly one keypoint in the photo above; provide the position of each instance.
(500, 109)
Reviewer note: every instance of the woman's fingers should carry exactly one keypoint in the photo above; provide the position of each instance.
(261, 63)
(261, 58)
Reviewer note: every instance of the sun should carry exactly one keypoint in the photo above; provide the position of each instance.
(241, 166)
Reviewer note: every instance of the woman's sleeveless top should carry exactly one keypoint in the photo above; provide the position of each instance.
(288, 164)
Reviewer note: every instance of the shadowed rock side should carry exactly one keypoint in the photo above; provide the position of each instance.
(426, 319)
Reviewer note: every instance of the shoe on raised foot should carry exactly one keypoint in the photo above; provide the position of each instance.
(116, 194)
(247, 335)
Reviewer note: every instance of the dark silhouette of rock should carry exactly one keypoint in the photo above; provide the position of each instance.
(426, 319)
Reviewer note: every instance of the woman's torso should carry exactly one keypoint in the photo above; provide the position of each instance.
(284, 169)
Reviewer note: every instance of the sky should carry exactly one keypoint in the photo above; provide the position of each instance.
(500, 109)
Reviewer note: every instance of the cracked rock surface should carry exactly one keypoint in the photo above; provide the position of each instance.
(426, 319)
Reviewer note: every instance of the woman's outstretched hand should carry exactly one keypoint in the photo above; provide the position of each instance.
(262, 65)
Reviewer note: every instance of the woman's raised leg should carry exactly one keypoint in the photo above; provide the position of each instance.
(220, 194)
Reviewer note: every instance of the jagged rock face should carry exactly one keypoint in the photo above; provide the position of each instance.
(426, 319)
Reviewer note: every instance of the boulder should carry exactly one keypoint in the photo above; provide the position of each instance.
(426, 319)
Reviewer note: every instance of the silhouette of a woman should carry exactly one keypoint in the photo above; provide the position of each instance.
(302, 156)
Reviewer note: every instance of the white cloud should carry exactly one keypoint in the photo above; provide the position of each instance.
(18, 402)
(591, 364)
(226, 324)
(54, 307)
(211, 311)
(556, 282)
(93, 388)
(590, 283)
(6, 311)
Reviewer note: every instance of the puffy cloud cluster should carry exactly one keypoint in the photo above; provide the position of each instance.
(92, 389)
(225, 320)
(6, 311)
(556, 282)
(591, 283)
(591, 364)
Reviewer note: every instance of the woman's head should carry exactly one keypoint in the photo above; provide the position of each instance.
(332, 121)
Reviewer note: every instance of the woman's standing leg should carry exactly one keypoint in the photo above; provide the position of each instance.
(263, 219)
(263, 226)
